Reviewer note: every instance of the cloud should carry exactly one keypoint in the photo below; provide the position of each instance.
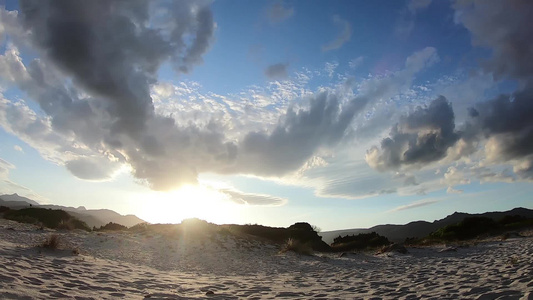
(301, 133)
(453, 176)
(98, 117)
(501, 27)
(504, 122)
(253, 199)
(451, 190)
(75, 38)
(6, 185)
(421, 137)
(5, 166)
(92, 168)
(278, 12)
(276, 71)
(356, 62)
(330, 67)
(96, 91)
(405, 24)
(343, 37)
(415, 5)
(415, 204)
(18, 148)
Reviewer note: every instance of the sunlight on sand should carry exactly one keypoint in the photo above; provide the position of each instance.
(190, 201)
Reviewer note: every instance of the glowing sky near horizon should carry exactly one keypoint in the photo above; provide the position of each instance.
(342, 114)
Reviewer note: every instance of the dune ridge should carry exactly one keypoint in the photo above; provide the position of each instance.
(217, 265)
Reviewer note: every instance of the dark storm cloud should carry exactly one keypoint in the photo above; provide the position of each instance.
(421, 137)
(503, 26)
(109, 50)
(506, 121)
(112, 57)
(300, 134)
(277, 71)
(508, 124)
(93, 82)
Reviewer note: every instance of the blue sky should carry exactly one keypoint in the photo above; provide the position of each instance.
(342, 114)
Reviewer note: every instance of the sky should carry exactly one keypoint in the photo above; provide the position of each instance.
(343, 114)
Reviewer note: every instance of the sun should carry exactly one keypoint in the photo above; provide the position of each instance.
(201, 201)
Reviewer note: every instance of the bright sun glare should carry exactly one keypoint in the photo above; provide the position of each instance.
(190, 201)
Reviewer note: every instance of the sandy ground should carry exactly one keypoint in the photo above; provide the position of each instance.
(136, 266)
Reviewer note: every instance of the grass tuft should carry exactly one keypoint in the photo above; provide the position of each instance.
(52, 242)
(297, 247)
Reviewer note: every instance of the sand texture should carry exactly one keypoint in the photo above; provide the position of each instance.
(125, 265)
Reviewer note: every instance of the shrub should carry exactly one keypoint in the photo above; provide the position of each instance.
(141, 227)
(359, 242)
(51, 218)
(466, 229)
(113, 226)
(51, 242)
(297, 247)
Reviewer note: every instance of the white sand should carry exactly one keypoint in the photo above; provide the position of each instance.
(133, 266)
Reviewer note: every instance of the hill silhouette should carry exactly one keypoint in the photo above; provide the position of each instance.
(51, 218)
(420, 229)
(92, 217)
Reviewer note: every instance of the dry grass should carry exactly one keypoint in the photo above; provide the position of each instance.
(297, 246)
(52, 242)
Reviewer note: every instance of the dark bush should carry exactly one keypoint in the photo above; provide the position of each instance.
(359, 242)
(51, 242)
(51, 218)
(112, 226)
(299, 233)
(468, 228)
(141, 227)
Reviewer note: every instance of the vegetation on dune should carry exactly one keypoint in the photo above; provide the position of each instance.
(474, 227)
(298, 233)
(297, 247)
(52, 242)
(468, 228)
(111, 226)
(51, 218)
(4, 209)
(359, 242)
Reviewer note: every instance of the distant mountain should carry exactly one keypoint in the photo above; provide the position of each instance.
(419, 229)
(93, 217)
(16, 198)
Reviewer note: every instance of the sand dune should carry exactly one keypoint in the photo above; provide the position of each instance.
(220, 266)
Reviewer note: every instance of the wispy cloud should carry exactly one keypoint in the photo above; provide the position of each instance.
(415, 204)
(342, 38)
(277, 71)
(279, 12)
(253, 199)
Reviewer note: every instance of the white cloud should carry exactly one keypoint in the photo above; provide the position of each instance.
(451, 190)
(330, 68)
(356, 62)
(253, 199)
(415, 204)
